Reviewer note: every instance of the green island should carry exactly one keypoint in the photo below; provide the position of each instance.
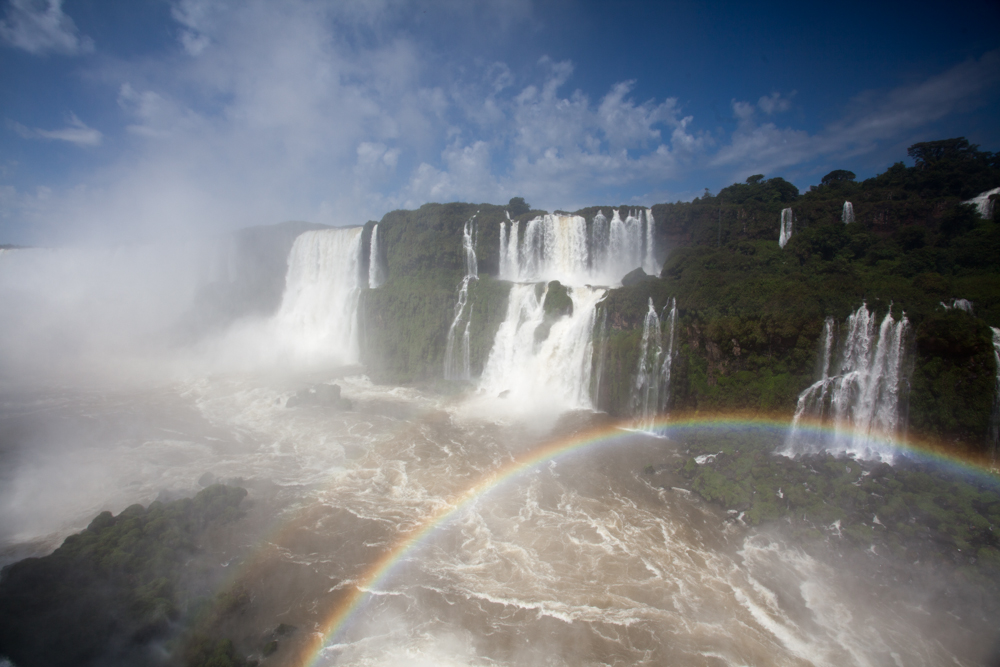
(119, 592)
(941, 519)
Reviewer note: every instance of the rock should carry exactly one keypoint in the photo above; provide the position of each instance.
(322, 395)
(635, 277)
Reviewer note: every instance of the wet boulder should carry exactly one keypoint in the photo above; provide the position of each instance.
(321, 395)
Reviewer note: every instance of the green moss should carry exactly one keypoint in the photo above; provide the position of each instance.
(915, 511)
(109, 592)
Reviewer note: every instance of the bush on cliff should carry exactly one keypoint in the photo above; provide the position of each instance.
(109, 593)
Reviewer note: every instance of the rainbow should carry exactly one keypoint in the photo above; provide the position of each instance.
(340, 617)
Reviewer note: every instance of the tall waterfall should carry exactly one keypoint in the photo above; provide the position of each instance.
(318, 317)
(847, 216)
(995, 420)
(786, 227)
(646, 390)
(375, 277)
(858, 392)
(651, 390)
(553, 372)
(459, 369)
(668, 359)
(558, 247)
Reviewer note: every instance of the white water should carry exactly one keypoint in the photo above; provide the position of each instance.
(959, 304)
(557, 247)
(552, 374)
(861, 394)
(668, 360)
(983, 204)
(375, 273)
(459, 369)
(847, 216)
(786, 227)
(646, 389)
(651, 389)
(580, 560)
(318, 318)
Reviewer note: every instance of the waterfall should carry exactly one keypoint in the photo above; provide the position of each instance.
(552, 372)
(602, 354)
(847, 216)
(558, 247)
(649, 264)
(668, 359)
(319, 310)
(995, 420)
(860, 396)
(983, 204)
(786, 227)
(451, 371)
(375, 277)
(651, 390)
(646, 389)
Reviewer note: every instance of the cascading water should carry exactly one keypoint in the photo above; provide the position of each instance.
(995, 418)
(558, 247)
(861, 397)
(319, 309)
(554, 372)
(462, 370)
(668, 360)
(601, 331)
(786, 227)
(847, 216)
(375, 277)
(983, 203)
(651, 391)
(646, 390)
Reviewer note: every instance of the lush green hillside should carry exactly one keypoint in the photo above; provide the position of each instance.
(404, 322)
(111, 595)
(751, 313)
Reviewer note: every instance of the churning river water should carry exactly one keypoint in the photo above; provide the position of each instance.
(578, 559)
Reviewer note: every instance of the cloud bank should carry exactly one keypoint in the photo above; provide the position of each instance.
(337, 113)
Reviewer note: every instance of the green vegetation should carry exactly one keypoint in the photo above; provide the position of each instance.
(404, 323)
(912, 511)
(751, 313)
(111, 593)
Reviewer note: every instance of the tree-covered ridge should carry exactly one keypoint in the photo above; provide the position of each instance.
(751, 313)
(110, 594)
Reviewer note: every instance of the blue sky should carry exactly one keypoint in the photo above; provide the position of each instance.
(127, 120)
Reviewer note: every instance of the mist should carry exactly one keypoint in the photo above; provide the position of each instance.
(267, 248)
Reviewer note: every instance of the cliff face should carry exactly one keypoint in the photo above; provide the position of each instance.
(751, 315)
(405, 321)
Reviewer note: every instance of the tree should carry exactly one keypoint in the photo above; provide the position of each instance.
(926, 153)
(838, 176)
(756, 178)
(517, 206)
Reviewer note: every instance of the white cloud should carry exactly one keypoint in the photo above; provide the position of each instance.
(271, 111)
(871, 118)
(40, 27)
(774, 103)
(76, 132)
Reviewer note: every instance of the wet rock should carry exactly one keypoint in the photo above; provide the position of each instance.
(321, 395)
